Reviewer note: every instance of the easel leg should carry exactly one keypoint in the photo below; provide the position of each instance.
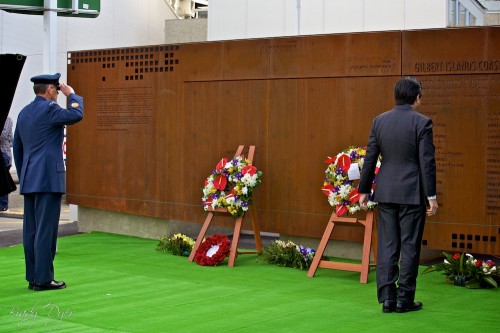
(236, 239)
(365, 259)
(321, 249)
(256, 230)
(201, 235)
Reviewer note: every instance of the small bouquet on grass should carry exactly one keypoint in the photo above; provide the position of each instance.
(463, 270)
(178, 245)
(287, 254)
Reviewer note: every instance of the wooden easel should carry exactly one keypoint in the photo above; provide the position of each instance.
(237, 224)
(364, 267)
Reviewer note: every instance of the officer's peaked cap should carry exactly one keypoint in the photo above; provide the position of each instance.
(47, 79)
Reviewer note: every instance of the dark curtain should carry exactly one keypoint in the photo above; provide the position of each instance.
(11, 66)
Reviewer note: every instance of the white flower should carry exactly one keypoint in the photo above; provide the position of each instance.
(249, 180)
(344, 191)
(332, 199)
(354, 209)
(244, 190)
(446, 262)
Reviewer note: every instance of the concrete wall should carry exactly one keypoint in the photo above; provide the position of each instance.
(185, 31)
(90, 219)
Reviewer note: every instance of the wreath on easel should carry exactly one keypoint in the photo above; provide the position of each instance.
(231, 186)
(340, 176)
(213, 250)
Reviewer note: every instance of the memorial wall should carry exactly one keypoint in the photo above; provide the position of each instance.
(158, 118)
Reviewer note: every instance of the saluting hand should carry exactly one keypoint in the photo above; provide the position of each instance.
(66, 90)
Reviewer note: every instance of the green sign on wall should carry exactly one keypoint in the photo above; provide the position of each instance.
(86, 8)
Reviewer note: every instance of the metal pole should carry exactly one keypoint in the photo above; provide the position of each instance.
(50, 37)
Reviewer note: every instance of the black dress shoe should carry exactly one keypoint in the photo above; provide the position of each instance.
(408, 306)
(31, 285)
(388, 306)
(52, 285)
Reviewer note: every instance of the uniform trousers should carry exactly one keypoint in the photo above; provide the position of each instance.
(400, 232)
(40, 224)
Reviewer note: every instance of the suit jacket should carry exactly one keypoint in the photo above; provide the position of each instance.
(407, 173)
(38, 142)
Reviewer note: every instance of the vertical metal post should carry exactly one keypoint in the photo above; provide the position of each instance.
(50, 37)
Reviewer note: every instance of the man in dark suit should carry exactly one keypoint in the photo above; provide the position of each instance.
(39, 162)
(405, 183)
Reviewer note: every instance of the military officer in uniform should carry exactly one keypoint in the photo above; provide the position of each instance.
(38, 156)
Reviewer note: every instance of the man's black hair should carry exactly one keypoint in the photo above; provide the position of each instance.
(407, 90)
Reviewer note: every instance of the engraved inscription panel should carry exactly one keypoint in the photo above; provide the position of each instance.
(120, 108)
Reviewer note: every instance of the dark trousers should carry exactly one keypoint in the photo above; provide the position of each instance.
(40, 224)
(400, 231)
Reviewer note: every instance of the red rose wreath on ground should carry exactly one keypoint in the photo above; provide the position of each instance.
(213, 250)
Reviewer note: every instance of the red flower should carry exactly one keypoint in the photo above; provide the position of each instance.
(221, 164)
(330, 160)
(327, 189)
(456, 256)
(220, 182)
(354, 196)
(249, 169)
(213, 250)
(344, 162)
(340, 210)
(232, 194)
(479, 263)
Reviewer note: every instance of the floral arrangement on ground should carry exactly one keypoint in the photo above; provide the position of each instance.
(340, 176)
(178, 245)
(213, 250)
(231, 186)
(462, 269)
(287, 254)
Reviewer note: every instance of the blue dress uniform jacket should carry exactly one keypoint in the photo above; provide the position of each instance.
(38, 142)
(39, 161)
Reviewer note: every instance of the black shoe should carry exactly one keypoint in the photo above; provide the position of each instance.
(388, 306)
(30, 285)
(52, 285)
(408, 306)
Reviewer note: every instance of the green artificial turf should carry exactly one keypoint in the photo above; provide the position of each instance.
(121, 284)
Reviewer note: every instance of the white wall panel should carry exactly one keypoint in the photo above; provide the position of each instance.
(312, 17)
(131, 24)
(291, 18)
(265, 18)
(384, 15)
(95, 33)
(236, 19)
(227, 19)
(433, 17)
(22, 34)
(344, 16)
